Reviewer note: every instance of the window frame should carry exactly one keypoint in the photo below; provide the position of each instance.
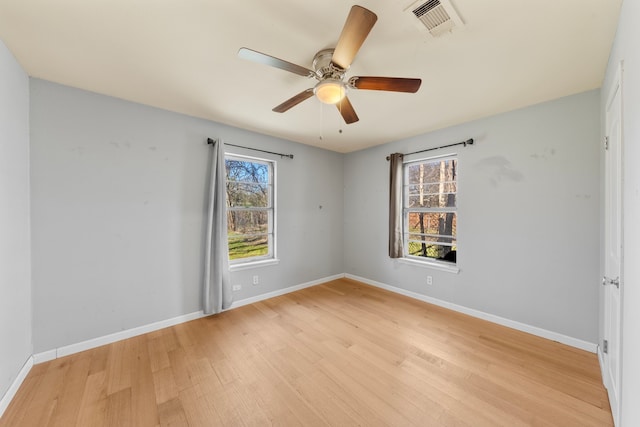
(406, 210)
(271, 256)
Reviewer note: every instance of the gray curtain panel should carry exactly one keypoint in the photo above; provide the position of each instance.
(395, 206)
(217, 284)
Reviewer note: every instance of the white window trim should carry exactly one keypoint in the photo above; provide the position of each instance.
(255, 262)
(430, 263)
(425, 261)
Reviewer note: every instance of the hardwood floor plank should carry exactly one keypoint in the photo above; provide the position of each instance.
(197, 411)
(46, 396)
(99, 358)
(380, 407)
(119, 367)
(73, 386)
(93, 406)
(158, 354)
(326, 403)
(118, 411)
(178, 361)
(172, 414)
(23, 402)
(143, 400)
(340, 353)
(164, 385)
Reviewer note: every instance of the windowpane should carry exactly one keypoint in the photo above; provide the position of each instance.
(241, 246)
(250, 213)
(440, 252)
(436, 223)
(248, 194)
(431, 171)
(430, 199)
(247, 221)
(437, 200)
(243, 170)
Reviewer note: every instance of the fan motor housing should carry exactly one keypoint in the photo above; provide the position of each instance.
(324, 68)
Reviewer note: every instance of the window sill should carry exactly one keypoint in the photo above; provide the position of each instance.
(436, 265)
(253, 264)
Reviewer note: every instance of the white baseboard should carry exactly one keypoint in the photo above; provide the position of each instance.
(601, 363)
(45, 356)
(111, 338)
(554, 336)
(279, 292)
(15, 385)
(108, 339)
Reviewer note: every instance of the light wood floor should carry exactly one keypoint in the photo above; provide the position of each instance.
(341, 354)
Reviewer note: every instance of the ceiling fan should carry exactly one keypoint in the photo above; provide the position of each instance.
(330, 66)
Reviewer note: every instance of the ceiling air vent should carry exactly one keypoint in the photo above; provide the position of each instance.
(438, 17)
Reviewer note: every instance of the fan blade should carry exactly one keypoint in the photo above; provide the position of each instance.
(393, 84)
(263, 58)
(356, 29)
(346, 110)
(293, 101)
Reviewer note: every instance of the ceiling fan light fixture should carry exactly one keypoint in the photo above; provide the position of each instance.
(330, 91)
(330, 66)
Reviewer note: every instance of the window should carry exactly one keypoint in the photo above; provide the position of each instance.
(430, 218)
(250, 209)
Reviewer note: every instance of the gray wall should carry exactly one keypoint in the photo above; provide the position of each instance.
(118, 196)
(118, 202)
(626, 48)
(15, 269)
(528, 216)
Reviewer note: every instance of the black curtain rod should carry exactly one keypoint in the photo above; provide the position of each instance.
(210, 141)
(465, 143)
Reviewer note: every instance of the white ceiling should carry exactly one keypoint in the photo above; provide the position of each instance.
(181, 55)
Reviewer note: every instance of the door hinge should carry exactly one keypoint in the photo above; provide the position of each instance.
(606, 142)
(605, 346)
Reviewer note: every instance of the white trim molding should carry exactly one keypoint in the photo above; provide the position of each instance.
(601, 363)
(279, 292)
(67, 350)
(254, 264)
(15, 385)
(534, 330)
(129, 333)
(432, 264)
(111, 338)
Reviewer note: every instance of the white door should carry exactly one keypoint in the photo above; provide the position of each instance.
(612, 279)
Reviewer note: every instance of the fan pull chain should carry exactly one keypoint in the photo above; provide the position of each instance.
(321, 121)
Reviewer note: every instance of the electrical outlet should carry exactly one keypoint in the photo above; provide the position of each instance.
(429, 280)
(237, 287)
(256, 280)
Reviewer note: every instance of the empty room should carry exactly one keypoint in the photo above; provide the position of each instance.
(383, 213)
